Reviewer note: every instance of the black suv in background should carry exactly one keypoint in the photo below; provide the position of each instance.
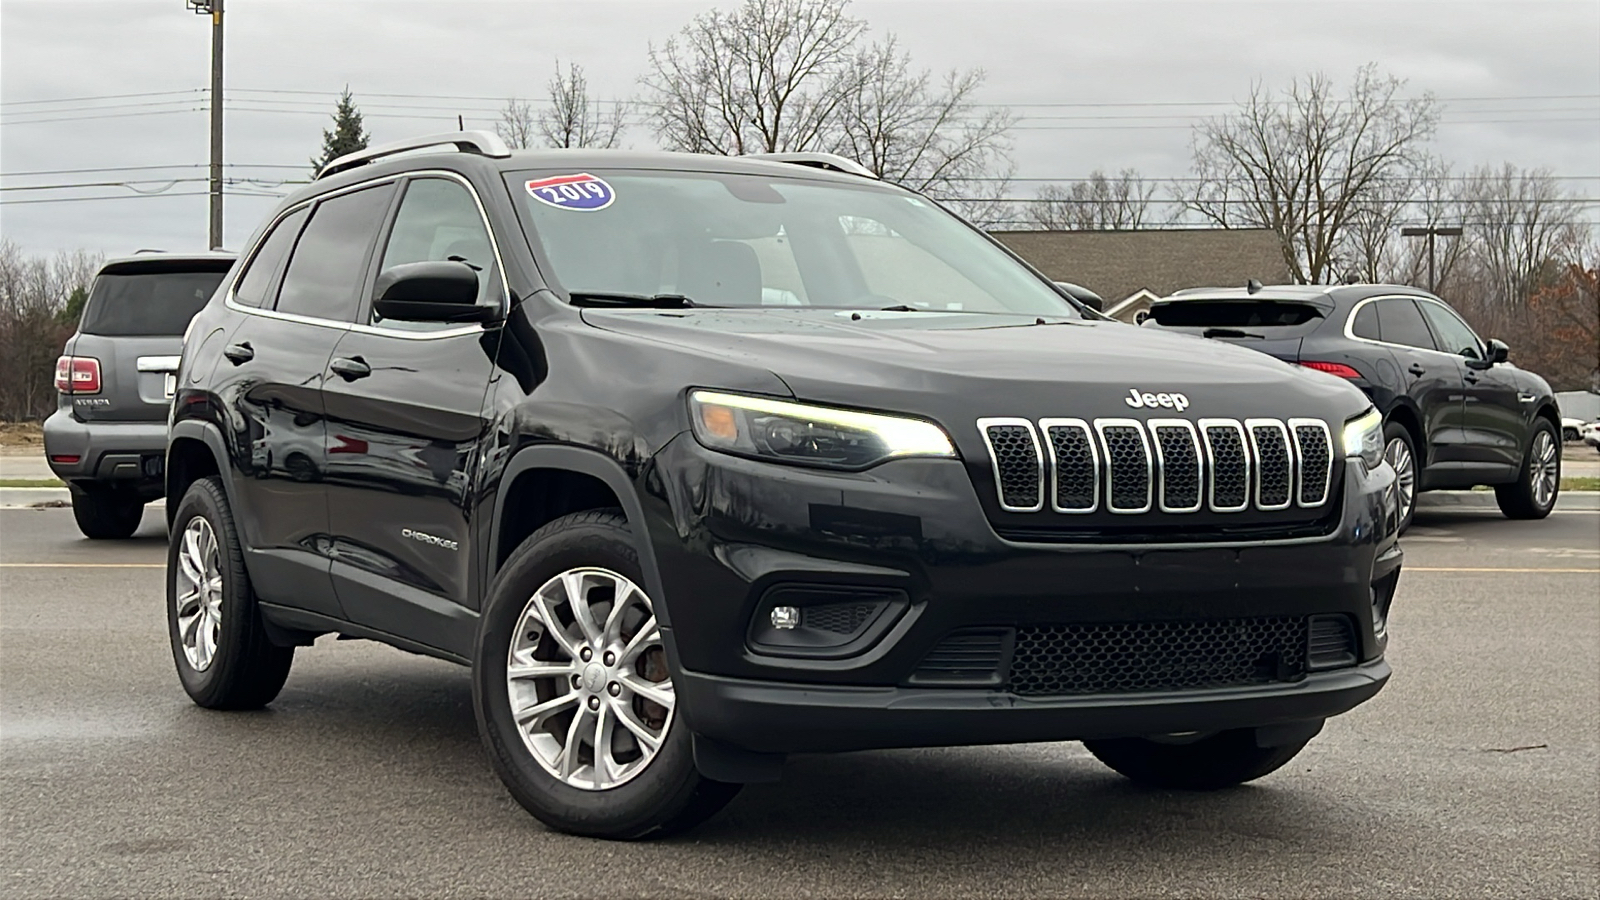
(701, 461)
(108, 435)
(1456, 414)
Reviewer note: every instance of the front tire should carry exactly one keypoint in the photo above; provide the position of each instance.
(224, 658)
(1401, 454)
(573, 693)
(1222, 760)
(105, 513)
(1533, 494)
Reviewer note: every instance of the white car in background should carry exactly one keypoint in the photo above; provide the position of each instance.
(1571, 429)
(1589, 433)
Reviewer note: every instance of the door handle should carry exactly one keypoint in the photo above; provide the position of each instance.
(1471, 378)
(240, 353)
(350, 368)
(1416, 369)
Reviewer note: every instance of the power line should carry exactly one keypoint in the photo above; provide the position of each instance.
(100, 97)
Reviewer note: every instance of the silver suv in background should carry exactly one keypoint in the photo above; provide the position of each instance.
(107, 438)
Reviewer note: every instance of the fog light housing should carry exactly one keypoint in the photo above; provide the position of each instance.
(822, 621)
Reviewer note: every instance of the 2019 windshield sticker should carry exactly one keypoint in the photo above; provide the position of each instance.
(582, 192)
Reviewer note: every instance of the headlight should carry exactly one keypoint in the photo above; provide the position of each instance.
(1363, 437)
(810, 435)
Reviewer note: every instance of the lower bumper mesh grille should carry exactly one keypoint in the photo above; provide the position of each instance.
(1158, 656)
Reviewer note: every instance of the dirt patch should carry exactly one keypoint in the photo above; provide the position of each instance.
(20, 437)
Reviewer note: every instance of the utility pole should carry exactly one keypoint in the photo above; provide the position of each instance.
(213, 8)
(1430, 232)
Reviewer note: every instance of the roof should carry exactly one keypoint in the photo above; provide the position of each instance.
(1118, 264)
(1328, 294)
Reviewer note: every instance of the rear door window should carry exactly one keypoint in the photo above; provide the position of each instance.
(252, 287)
(148, 303)
(329, 264)
(1401, 323)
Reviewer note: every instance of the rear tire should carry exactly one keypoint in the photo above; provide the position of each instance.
(1222, 760)
(1401, 454)
(1538, 483)
(106, 513)
(637, 792)
(224, 658)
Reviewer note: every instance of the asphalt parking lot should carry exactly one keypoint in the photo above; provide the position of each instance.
(1475, 773)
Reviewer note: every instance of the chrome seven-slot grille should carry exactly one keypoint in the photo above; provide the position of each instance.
(1174, 465)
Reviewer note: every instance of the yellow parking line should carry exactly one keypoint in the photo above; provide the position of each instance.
(1489, 569)
(71, 565)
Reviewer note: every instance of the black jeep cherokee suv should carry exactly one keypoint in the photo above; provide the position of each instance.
(701, 461)
(1456, 413)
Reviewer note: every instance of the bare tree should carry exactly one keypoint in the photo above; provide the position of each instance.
(793, 75)
(571, 118)
(767, 77)
(518, 125)
(1097, 203)
(34, 292)
(574, 119)
(1303, 162)
(1520, 225)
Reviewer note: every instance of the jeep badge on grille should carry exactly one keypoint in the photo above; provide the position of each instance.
(1149, 401)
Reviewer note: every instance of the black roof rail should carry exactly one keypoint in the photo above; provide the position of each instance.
(483, 143)
(829, 161)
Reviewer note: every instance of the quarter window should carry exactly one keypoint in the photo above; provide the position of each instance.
(1454, 335)
(330, 261)
(1401, 323)
(438, 220)
(257, 278)
(1366, 323)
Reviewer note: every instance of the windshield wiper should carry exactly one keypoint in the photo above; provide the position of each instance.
(625, 300)
(903, 307)
(1230, 332)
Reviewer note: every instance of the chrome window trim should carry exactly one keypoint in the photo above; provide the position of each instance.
(1055, 469)
(994, 460)
(1250, 426)
(1205, 426)
(231, 302)
(1100, 426)
(1350, 321)
(1161, 465)
(1299, 461)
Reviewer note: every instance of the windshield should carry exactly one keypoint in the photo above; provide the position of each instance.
(759, 241)
(147, 303)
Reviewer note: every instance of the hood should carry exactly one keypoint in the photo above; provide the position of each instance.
(962, 366)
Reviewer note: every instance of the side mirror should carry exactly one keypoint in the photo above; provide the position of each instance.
(1498, 351)
(1082, 295)
(435, 291)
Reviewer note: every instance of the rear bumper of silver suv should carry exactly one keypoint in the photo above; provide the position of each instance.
(129, 453)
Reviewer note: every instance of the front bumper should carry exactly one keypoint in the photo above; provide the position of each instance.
(770, 717)
(126, 452)
(726, 531)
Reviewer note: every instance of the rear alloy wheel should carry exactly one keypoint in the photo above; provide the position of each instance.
(1402, 457)
(106, 513)
(225, 659)
(573, 692)
(1533, 494)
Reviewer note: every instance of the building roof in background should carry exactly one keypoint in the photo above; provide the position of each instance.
(1118, 264)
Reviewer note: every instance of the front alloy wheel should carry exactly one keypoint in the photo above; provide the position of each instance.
(587, 679)
(1533, 494)
(1398, 453)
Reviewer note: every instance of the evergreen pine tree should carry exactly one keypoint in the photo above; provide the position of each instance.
(347, 135)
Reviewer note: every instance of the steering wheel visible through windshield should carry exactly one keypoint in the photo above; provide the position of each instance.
(735, 240)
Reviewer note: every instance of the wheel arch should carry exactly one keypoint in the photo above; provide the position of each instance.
(195, 450)
(543, 483)
(1403, 415)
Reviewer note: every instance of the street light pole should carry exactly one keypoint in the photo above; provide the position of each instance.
(214, 9)
(1430, 231)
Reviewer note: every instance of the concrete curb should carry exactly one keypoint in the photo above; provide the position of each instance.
(1443, 501)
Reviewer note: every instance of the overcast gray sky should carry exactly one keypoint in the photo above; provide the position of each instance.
(1096, 84)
